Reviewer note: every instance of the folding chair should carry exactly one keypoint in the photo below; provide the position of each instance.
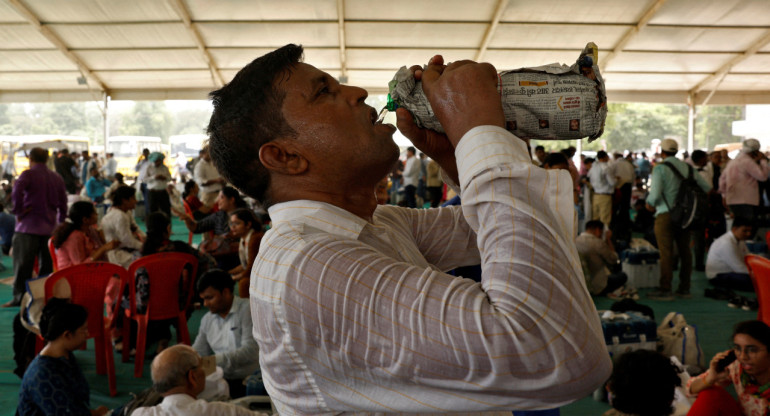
(165, 270)
(88, 285)
(52, 251)
(759, 270)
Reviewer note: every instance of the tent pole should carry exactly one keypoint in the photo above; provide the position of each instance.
(106, 119)
(690, 122)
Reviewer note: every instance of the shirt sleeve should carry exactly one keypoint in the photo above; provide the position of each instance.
(248, 352)
(609, 256)
(201, 344)
(208, 223)
(702, 182)
(124, 235)
(416, 339)
(17, 195)
(76, 248)
(656, 186)
(442, 235)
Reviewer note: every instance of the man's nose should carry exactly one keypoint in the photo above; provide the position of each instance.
(356, 95)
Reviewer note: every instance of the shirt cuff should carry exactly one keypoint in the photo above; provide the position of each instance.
(485, 146)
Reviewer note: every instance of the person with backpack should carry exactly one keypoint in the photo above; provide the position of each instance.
(678, 198)
(738, 183)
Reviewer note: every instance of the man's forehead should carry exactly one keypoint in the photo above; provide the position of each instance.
(300, 75)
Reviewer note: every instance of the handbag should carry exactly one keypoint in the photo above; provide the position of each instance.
(676, 338)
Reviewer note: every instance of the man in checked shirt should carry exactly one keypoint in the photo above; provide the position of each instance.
(351, 307)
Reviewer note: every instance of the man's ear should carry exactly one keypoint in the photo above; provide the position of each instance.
(281, 156)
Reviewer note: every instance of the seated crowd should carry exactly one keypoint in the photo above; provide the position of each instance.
(81, 237)
(603, 193)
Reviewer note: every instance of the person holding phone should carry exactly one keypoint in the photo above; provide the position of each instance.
(746, 366)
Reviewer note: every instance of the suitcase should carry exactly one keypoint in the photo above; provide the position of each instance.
(640, 256)
(642, 275)
(624, 332)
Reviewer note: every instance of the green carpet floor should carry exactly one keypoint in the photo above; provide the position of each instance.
(713, 319)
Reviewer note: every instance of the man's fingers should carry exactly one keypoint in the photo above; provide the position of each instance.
(407, 126)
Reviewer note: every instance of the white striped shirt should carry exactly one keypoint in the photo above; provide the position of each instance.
(352, 316)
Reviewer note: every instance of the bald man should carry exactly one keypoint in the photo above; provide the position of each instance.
(178, 375)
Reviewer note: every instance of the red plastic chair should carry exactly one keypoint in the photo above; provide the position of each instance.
(52, 250)
(165, 271)
(88, 285)
(189, 213)
(759, 270)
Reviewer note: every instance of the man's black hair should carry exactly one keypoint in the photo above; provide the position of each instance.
(698, 156)
(216, 279)
(411, 149)
(601, 154)
(554, 159)
(595, 224)
(643, 383)
(38, 155)
(247, 114)
(742, 222)
(122, 193)
(539, 147)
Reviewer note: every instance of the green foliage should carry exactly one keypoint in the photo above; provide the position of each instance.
(714, 125)
(630, 126)
(147, 118)
(634, 126)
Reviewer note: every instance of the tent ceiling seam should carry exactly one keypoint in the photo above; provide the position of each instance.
(184, 14)
(491, 28)
(23, 10)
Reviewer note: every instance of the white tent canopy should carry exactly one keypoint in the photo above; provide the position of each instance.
(651, 50)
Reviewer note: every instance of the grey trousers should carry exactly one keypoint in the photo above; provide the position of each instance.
(25, 248)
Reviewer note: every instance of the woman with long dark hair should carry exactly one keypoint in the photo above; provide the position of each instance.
(77, 240)
(53, 383)
(190, 196)
(246, 226)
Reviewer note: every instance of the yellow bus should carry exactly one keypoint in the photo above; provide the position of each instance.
(18, 147)
(128, 148)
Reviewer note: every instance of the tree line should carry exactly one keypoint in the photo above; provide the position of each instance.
(630, 126)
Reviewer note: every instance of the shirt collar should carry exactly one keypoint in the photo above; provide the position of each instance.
(320, 215)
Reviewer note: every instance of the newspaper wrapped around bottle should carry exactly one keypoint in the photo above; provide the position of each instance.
(549, 102)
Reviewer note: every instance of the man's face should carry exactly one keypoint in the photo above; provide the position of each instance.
(742, 233)
(716, 158)
(333, 123)
(540, 153)
(217, 302)
(131, 203)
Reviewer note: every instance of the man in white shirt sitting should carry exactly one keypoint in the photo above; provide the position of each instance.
(225, 330)
(724, 265)
(178, 375)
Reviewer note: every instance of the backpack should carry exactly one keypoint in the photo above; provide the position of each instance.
(690, 208)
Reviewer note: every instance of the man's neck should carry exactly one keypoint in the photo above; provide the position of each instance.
(227, 311)
(360, 202)
(181, 390)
